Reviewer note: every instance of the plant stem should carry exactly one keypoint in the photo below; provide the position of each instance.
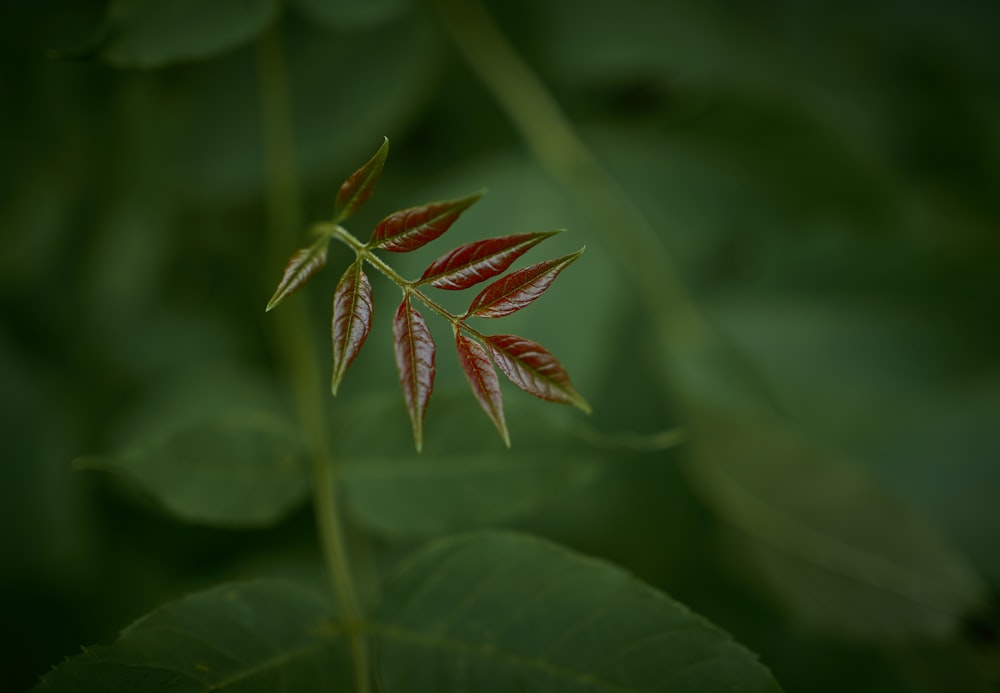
(297, 347)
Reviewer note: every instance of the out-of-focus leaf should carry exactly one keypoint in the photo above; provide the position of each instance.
(152, 33)
(839, 552)
(301, 267)
(352, 319)
(409, 229)
(518, 289)
(350, 14)
(264, 635)
(237, 468)
(415, 362)
(534, 369)
(475, 262)
(359, 186)
(463, 479)
(502, 612)
(483, 381)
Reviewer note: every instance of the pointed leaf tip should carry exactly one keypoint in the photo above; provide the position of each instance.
(518, 289)
(415, 353)
(472, 263)
(301, 267)
(352, 319)
(409, 229)
(534, 369)
(358, 187)
(483, 381)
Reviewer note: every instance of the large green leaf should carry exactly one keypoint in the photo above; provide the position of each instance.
(266, 635)
(836, 549)
(236, 468)
(465, 478)
(151, 33)
(507, 612)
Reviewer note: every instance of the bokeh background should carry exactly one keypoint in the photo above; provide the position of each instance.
(825, 175)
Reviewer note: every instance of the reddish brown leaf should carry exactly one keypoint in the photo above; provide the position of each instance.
(475, 262)
(534, 369)
(408, 229)
(415, 361)
(352, 319)
(515, 291)
(483, 381)
(301, 266)
(359, 186)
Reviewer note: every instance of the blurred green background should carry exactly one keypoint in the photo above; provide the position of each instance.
(826, 176)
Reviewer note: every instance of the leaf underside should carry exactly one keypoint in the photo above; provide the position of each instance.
(301, 267)
(494, 612)
(358, 187)
(472, 263)
(409, 229)
(352, 318)
(415, 351)
(518, 289)
(534, 369)
(483, 380)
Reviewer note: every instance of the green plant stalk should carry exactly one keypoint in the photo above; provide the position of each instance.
(296, 346)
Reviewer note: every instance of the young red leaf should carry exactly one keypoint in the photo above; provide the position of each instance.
(534, 369)
(415, 361)
(408, 229)
(515, 291)
(483, 381)
(359, 186)
(352, 319)
(301, 266)
(475, 262)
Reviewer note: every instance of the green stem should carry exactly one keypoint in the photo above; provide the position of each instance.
(295, 344)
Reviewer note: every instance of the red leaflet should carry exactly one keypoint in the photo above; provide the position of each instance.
(483, 381)
(515, 291)
(415, 361)
(534, 369)
(408, 229)
(352, 319)
(476, 262)
(301, 266)
(359, 186)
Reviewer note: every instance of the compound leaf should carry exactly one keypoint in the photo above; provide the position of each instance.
(301, 267)
(415, 361)
(358, 187)
(409, 229)
(475, 262)
(534, 369)
(352, 319)
(483, 381)
(518, 289)
(497, 611)
(264, 635)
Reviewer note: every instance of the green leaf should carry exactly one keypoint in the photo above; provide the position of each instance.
(465, 478)
(351, 14)
(265, 635)
(301, 267)
(238, 468)
(507, 612)
(153, 33)
(834, 548)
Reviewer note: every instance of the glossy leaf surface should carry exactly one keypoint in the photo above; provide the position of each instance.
(301, 267)
(265, 635)
(518, 289)
(359, 186)
(534, 369)
(475, 262)
(483, 381)
(144, 33)
(415, 362)
(492, 612)
(409, 229)
(352, 319)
